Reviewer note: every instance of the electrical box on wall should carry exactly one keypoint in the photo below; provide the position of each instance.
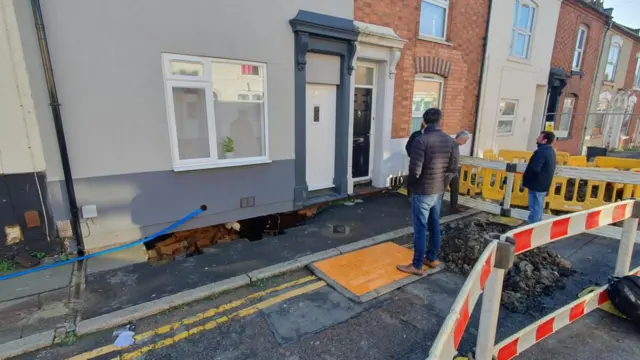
(89, 211)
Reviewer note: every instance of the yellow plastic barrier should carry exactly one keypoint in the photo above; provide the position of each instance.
(562, 158)
(577, 161)
(616, 163)
(565, 194)
(493, 181)
(519, 195)
(617, 191)
(469, 180)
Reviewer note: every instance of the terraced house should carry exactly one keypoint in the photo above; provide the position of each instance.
(439, 66)
(577, 49)
(517, 73)
(613, 109)
(121, 124)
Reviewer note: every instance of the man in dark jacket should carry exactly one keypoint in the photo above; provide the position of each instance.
(434, 157)
(538, 175)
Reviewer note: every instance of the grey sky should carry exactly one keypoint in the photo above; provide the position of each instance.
(626, 12)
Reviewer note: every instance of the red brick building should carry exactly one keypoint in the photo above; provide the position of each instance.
(581, 28)
(632, 82)
(440, 63)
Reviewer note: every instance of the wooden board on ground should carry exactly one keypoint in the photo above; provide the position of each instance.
(365, 274)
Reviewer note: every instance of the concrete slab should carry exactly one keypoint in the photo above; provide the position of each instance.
(372, 335)
(14, 313)
(310, 313)
(118, 259)
(35, 283)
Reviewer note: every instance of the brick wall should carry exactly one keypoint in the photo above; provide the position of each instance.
(465, 30)
(573, 14)
(629, 84)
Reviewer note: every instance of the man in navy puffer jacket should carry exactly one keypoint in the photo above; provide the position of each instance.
(538, 175)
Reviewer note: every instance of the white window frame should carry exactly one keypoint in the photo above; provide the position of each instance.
(443, 4)
(615, 64)
(438, 80)
(565, 133)
(585, 30)
(636, 82)
(206, 82)
(512, 118)
(526, 32)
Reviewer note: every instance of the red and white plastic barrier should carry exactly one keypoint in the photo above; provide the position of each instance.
(446, 344)
(489, 272)
(541, 233)
(536, 332)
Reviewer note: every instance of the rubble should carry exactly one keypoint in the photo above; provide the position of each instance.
(536, 273)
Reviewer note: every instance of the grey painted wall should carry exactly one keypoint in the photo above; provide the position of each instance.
(323, 69)
(107, 61)
(134, 205)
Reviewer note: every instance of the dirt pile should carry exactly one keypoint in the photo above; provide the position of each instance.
(535, 273)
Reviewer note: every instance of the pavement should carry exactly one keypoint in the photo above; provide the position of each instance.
(296, 316)
(34, 305)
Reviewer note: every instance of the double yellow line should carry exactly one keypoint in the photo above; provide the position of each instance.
(204, 315)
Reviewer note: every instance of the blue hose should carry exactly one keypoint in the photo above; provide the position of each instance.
(166, 230)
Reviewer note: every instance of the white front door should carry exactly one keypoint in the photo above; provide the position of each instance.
(321, 136)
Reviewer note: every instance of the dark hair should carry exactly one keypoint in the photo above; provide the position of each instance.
(432, 116)
(549, 136)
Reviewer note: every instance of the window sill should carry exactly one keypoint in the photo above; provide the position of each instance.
(504, 135)
(561, 135)
(636, 88)
(221, 164)
(519, 60)
(434, 40)
(608, 83)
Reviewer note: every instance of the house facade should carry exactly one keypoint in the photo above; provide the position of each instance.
(23, 188)
(613, 101)
(577, 48)
(155, 116)
(439, 66)
(516, 73)
(632, 82)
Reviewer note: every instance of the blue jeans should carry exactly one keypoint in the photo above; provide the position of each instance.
(426, 216)
(536, 204)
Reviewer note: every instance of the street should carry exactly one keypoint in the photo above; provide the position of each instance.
(298, 316)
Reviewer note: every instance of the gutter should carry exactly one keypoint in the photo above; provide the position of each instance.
(595, 81)
(485, 41)
(57, 120)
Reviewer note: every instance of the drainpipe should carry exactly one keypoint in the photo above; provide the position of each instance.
(57, 120)
(485, 40)
(595, 81)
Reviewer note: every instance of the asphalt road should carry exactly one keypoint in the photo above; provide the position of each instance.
(297, 316)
